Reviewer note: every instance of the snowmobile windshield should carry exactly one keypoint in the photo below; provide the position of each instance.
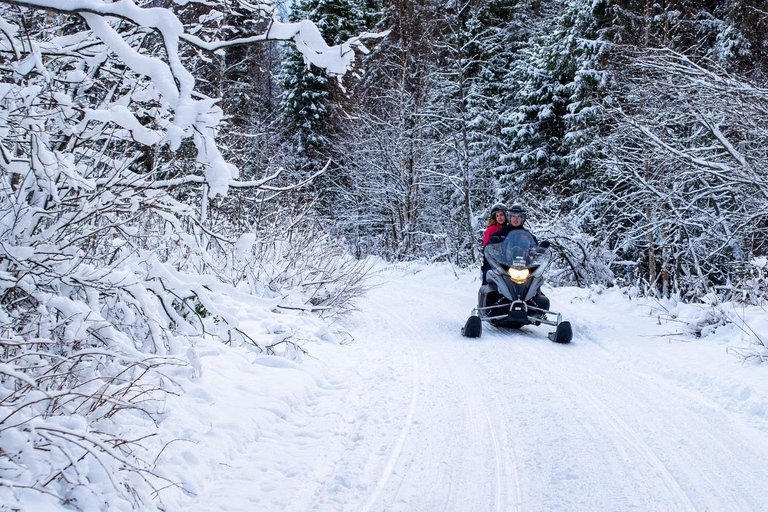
(517, 250)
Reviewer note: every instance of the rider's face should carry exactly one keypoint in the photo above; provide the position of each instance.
(516, 220)
(501, 217)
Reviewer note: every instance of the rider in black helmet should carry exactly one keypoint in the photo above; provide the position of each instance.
(516, 216)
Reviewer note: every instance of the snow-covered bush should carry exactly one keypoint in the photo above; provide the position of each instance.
(752, 288)
(580, 259)
(730, 320)
(110, 266)
(306, 270)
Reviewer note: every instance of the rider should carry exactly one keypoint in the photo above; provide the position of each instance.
(516, 220)
(497, 220)
(517, 217)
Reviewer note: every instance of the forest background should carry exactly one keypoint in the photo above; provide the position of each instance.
(632, 131)
(162, 159)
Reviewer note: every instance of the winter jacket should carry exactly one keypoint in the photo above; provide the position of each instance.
(490, 231)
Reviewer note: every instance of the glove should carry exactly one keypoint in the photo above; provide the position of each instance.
(544, 245)
(494, 239)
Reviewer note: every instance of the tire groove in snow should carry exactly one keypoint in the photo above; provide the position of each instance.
(624, 434)
(563, 397)
(474, 399)
(510, 459)
(497, 457)
(636, 442)
(387, 473)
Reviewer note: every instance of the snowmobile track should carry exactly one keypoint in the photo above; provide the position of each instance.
(497, 459)
(506, 451)
(398, 448)
(414, 417)
(624, 434)
(633, 440)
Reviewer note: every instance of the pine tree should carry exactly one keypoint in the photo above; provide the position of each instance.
(553, 117)
(492, 39)
(311, 99)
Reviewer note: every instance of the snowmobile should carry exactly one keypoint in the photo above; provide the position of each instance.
(512, 297)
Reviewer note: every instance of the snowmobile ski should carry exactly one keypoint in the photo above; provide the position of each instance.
(563, 333)
(473, 328)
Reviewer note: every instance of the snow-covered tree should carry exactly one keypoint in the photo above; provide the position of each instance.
(476, 46)
(311, 101)
(381, 209)
(688, 170)
(554, 116)
(656, 102)
(110, 267)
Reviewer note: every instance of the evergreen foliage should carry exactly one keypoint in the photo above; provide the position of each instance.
(552, 126)
(311, 101)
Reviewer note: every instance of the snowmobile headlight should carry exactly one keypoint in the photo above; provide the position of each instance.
(519, 275)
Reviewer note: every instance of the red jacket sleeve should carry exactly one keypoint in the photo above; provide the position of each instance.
(489, 233)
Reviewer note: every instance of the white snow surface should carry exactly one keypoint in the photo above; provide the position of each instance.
(634, 414)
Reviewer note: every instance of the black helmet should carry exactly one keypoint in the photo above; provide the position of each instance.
(497, 208)
(517, 209)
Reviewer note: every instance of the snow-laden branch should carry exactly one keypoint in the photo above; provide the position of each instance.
(108, 276)
(667, 61)
(193, 116)
(260, 184)
(336, 60)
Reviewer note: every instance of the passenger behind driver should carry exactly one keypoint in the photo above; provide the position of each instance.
(497, 220)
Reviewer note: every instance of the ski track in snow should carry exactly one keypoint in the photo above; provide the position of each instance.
(414, 417)
(626, 439)
(400, 441)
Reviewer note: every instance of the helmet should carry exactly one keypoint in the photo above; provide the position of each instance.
(497, 208)
(517, 210)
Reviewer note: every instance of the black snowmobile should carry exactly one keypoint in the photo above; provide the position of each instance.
(512, 297)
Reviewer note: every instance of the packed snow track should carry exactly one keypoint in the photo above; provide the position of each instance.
(411, 416)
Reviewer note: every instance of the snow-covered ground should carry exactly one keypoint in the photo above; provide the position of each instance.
(634, 414)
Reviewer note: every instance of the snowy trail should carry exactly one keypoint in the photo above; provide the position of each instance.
(420, 419)
(579, 430)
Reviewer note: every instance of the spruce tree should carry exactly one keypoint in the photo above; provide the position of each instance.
(493, 39)
(553, 115)
(311, 99)
(480, 41)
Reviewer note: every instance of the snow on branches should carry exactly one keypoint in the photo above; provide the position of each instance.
(687, 168)
(108, 270)
(121, 28)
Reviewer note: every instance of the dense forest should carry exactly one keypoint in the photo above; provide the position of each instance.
(633, 131)
(159, 156)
